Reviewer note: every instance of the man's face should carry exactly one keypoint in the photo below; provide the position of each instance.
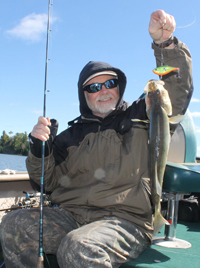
(104, 101)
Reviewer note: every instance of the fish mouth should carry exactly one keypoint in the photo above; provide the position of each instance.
(153, 84)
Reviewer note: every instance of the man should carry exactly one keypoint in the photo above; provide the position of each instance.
(97, 170)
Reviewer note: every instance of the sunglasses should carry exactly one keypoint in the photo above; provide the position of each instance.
(92, 88)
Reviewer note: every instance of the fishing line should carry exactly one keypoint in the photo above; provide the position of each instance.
(47, 261)
(180, 27)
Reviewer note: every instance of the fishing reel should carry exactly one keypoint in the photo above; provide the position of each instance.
(31, 200)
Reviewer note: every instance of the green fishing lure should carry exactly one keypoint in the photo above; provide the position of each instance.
(165, 69)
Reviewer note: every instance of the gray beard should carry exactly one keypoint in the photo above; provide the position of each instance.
(103, 109)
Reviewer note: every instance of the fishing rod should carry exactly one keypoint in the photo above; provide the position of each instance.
(40, 263)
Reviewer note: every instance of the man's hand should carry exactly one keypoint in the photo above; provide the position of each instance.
(161, 26)
(41, 131)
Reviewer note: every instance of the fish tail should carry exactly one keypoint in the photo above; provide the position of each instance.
(159, 221)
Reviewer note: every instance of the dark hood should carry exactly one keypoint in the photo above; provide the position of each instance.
(91, 68)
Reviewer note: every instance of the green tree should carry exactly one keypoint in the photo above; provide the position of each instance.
(21, 144)
(17, 144)
(3, 142)
(4, 138)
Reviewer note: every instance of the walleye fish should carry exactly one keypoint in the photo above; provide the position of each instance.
(158, 108)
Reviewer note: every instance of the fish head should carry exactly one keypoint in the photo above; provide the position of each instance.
(154, 89)
(157, 94)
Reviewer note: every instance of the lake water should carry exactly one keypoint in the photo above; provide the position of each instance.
(14, 162)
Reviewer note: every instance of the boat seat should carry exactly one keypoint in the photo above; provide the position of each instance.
(182, 176)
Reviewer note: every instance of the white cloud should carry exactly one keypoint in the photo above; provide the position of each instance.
(37, 112)
(195, 100)
(197, 129)
(31, 27)
(195, 114)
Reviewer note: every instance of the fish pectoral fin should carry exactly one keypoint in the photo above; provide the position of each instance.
(176, 119)
(159, 221)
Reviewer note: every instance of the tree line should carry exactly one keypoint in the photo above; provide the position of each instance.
(14, 144)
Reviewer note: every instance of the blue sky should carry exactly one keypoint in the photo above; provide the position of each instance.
(114, 31)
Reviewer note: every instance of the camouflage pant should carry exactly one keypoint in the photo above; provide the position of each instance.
(107, 242)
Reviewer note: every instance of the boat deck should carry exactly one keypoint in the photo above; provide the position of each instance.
(160, 257)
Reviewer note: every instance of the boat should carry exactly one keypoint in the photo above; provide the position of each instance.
(13, 186)
(176, 245)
